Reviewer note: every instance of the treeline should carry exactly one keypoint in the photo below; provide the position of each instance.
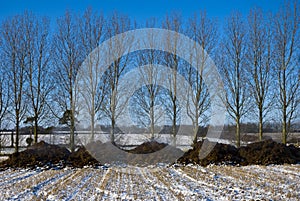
(257, 56)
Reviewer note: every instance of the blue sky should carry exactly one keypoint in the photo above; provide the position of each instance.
(137, 9)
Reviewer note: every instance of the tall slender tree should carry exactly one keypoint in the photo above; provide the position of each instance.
(234, 73)
(259, 63)
(148, 96)
(4, 94)
(112, 104)
(286, 40)
(204, 32)
(173, 22)
(67, 58)
(14, 49)
(37, 68)
(92, 32)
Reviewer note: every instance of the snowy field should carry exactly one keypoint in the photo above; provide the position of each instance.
(153, 183)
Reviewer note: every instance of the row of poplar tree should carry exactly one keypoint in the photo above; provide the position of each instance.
(256, 55)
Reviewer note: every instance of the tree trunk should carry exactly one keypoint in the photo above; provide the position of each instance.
(174, 133)
(284, 126)
(238, 133)
(196, 126)
(112, 131)
(92, 127)
(195, 133)
(260, 126)
(72, 131)
(152, 119)
(284, 108)
(12, 139)
(35, 130)
(17, 132)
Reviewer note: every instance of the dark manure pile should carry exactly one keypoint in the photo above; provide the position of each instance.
(220, 154)
(147, 153)
(47, 155)
(148, 147)
(259, 153)
(40, 154)
(152, 152)
(82, 157)
(269, 152)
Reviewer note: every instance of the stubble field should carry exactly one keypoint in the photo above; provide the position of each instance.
(191, 182)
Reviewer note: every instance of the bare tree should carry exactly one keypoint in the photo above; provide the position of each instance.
(286, 33)
(67, 58)
(173, 22)
(148, 96)
(37, 68)
(144, 102)
(14, 48)
(4, 88)
(259, 62)
(4, 94)
(234, 74)
(112, 104)
(91, 34)
(204, 32)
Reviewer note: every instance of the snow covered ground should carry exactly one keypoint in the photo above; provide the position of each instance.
(153, 183)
